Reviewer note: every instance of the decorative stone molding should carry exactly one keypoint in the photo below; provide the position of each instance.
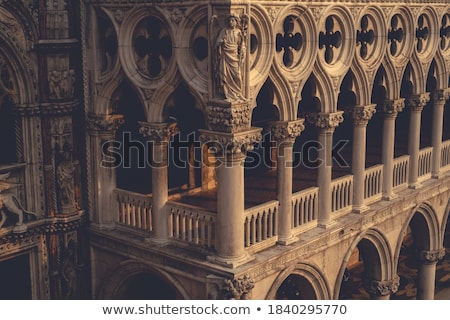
(382, 287)
(52, 109)
(433, 256)
(286, 131)
(158, 132)
(418, 101)
(324, 120)
(231, 145)
(441, 95)
(230, 289)
(392, 107)
(104, 122)
(362, 114)
(229, 117)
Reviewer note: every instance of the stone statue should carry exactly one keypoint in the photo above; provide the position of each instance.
(230, 57)
(69, 272)
(10, 203)
(64, 174)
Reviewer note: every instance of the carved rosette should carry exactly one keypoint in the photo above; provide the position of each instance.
(101, 123)
(286, 131)
(432, 256)
(238, 289)
(418, 101)
(362, 114)
(227, 117)
(233, 146)
(380, 288)
(158, 132)
(326, 121)
(391, 108)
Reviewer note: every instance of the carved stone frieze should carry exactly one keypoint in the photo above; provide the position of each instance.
(362, 114)
(158, 132)
(286, 131)
(418, 101)
(392, 107)
(231, 145)
(326, 120)
(382, 287)
(227, 117)
(432, 256)
(104, 122)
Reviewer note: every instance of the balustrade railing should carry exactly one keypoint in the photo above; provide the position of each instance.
(445, 154)
(134, 210)
(373, 183)
(424, 169)
(341, 194)
(191, 224)
(304, 207)
(400, 173)
(260, 223)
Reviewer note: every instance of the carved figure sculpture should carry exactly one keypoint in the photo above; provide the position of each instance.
(230, 49)
(65, 173)
(10, 203)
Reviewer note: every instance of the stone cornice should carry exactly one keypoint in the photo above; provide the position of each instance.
(231, 145)
(361, 114)
(44, 109)
(286, 131)
(228, 117)
(380, 288)
(104, 122)
(432, 256)
(326, 120)
(392, 107)
(418, 101)
(158, 132)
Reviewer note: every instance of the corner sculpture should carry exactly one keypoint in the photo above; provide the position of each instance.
(10, 203)
(230, 55)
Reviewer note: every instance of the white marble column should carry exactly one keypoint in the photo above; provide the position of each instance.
(416, 102)
(284, 134)
(326, 122)
(231, 149)
(159, 134)
(391, 108)
(382, 289)
(440, 98)
(427, 274)
(361, 116)
(102, 177)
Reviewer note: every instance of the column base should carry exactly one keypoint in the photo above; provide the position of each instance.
(389, 196)
(360, 209)
(157, 242)
(326, 224)
(103, 226)
(231, 262)
(287, 241)
(437, 175)
(415, 186)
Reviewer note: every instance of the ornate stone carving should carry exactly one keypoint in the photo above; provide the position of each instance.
(362, 114)
(57, 19)
(432, 256)
(158, 132)
(65, 171)
(382, 287)
(104, 122)
(326, 120)
(441, 95)
(230, 289)
(286, 131)
(392, 107)
(229, 117)
(233, 146)
(176, 15)
(229, 59)
(10, 204)
(418, 101)
(118, 16)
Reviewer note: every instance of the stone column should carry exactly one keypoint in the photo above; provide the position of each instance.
(417, 102)
(361, 116)
(231, 149)
(284, 134)
(382, 289)
(391, 108)
(440, 97)
(159, 135)
(427, 273)
(326, 122)
(102, 178)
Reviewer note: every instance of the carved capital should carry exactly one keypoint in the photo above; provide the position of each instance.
(418, 101)
(433, 256)
(326, 120)
(233, 146)
(362, 114)
(286, 131)
(441, 96)
(229, 117)
(105, 122)
(382, 287)
(158, 132)
(392, 107)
